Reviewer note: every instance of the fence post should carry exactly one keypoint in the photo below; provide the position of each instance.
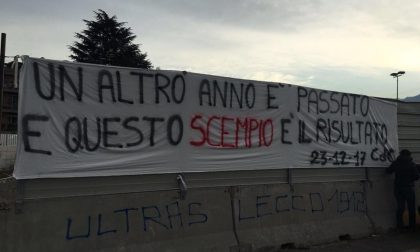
(2, 57)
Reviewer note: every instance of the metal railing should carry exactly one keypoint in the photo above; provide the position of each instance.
(8, 139)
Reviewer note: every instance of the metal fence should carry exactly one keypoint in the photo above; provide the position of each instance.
(409, 128)
(8, 139)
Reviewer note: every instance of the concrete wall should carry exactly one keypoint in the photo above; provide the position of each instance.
(249, 218)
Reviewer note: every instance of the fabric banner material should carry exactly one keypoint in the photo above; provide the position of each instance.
(79, 120)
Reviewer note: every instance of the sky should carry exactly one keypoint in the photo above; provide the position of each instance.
(348, 46)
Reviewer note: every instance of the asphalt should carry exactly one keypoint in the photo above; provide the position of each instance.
(401, 241)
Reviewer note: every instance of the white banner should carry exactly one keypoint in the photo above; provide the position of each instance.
(78, 120)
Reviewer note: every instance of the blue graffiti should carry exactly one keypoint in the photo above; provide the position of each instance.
(313, 202)
(164, 217)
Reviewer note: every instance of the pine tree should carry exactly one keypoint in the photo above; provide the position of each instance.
(107, 41)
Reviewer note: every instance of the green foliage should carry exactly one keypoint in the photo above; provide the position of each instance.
(107, 41)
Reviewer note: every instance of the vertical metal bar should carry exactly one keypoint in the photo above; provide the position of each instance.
(367, 177)
(290, 179)
(20, 191)
(16, 63)
(2, 57)
(397, 88)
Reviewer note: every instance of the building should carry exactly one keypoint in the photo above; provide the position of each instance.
(9, 107)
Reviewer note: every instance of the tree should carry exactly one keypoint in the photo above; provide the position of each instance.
(107, 41)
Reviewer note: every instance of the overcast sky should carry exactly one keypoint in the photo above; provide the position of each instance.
(350, 46)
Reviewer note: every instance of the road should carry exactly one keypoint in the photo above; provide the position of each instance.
(390, 242)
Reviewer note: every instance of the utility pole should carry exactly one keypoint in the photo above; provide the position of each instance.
(2, 59)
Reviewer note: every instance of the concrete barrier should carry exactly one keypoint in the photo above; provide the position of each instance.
(231, 218)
